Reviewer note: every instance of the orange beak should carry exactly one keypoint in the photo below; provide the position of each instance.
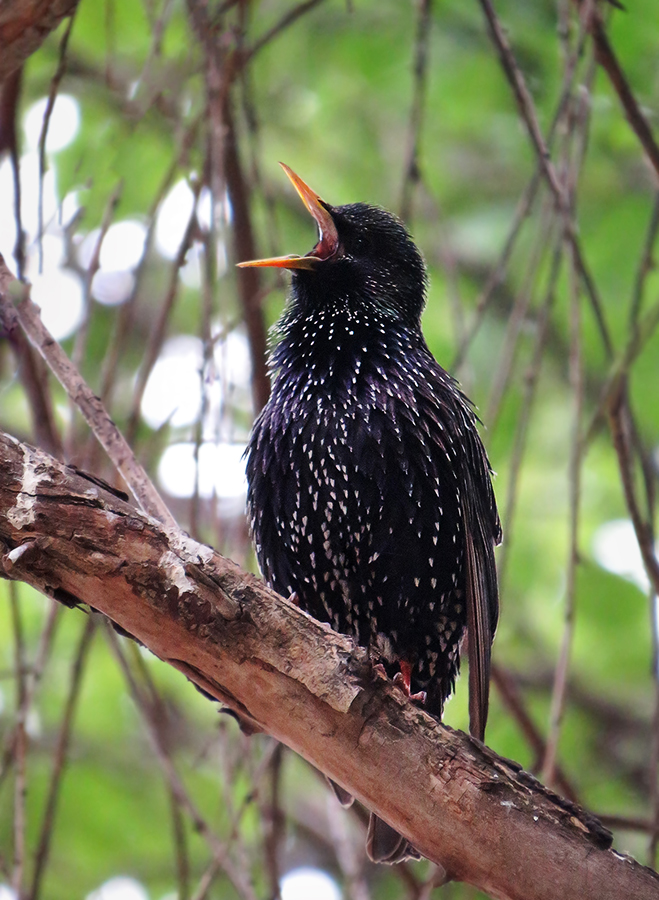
(328, 242)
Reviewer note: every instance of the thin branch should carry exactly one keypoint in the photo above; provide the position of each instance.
(10, 95)
(531, 378)
(607, 59)
(514, 703)
(249, 285)
(158, 333)
(20, 747)
(524, 207)
(219, 849)
(285, 22)
(59, 760)
(544, 241)
(26, 313)
(620, 425)
(575, 472)
(50, 104)
(412, 167)
(559, 191)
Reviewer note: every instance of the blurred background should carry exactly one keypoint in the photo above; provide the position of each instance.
(144, 136)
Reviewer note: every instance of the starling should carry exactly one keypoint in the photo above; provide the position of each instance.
(370, 496)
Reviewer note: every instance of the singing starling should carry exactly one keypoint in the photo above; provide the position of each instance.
(370, 495)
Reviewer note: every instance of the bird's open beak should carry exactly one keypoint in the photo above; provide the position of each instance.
(328, 242)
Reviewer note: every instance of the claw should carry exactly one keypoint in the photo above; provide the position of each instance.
(403, 680)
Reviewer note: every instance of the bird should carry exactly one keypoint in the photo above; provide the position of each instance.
(370, 498)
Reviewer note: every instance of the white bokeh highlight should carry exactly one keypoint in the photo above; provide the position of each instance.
(173, 392)
(306, 883)
(56, 290)
(63, 125)
(173, 389)
(58, 293)
(616, 549)
(219, 470)
(119, 888)
(123, 246)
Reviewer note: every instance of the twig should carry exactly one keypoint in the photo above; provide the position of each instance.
(412, 167)
(274, 823)
(545, 238)
(80, 343)
(52, 96)
(36, 672)
(219, 849)
(619, 421)
(59, 760)
(33, 373)
(645, 267)
(512, 698)
(25, 313)
(561, 196)
(606, 57)
(524, 207)
(285, 22)
(158, 332)
(575, 466)
(530, 383)
(249, 285)
(10, 94)
(20, 746)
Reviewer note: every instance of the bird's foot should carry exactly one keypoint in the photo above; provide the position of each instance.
(294, 599)
(380, 671)
(403, 680)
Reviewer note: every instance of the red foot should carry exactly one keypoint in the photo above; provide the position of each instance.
(403, 680)
(380, 671)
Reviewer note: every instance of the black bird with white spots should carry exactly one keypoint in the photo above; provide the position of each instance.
(370, 495)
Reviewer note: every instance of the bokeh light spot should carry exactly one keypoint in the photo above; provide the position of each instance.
(304, 883)
(62, 127)
(119, 888)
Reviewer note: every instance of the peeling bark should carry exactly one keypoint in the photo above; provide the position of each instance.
(475, 814)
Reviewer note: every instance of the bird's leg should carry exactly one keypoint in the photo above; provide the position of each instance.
(294, 599)
(403, 680)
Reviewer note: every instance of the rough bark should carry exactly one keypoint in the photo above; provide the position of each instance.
(24, 25)
(476, 814)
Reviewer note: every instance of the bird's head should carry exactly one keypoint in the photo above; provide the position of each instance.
(364, 256)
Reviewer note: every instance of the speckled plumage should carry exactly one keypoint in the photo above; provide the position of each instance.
(370, 494)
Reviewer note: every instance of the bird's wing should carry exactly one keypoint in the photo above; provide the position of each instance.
(482, 532)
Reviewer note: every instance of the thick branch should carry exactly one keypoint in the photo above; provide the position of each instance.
(24, 25)
(475, 814)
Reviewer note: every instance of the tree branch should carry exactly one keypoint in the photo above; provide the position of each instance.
(476, 814)
(24, 25)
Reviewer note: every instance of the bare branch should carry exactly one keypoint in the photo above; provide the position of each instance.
(27, 315)
(607, 59)
(24, 24)
(468, 810)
